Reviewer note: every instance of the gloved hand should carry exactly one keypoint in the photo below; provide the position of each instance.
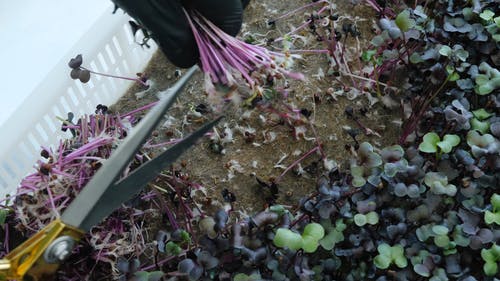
(168, 25)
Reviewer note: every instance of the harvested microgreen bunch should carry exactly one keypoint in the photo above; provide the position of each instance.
(227, 61)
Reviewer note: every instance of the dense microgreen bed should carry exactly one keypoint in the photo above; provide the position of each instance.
(425, 208)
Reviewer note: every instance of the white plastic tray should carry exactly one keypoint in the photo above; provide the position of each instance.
(107, 47)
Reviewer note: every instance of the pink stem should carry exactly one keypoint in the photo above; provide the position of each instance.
(52, 203)
(299, 9)
(278, 179)
(148, 106)
(115, 76)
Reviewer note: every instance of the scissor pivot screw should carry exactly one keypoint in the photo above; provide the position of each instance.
(59, 250)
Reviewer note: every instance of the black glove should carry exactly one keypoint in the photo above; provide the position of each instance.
(168, 25)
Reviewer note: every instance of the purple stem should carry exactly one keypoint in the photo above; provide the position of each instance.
(84, 129)
(374, 5)
(87, 148)
(142, 108)
(58, 197)
(299, 9)
(324, 51)
(218, 64)
(171, 218)
(52, 203)
(293, 31)
(146, 268)
(148, 196)
(299, 27)
(240, 45)
(221, 51)
(278, 179)
(115, 76)
(199, 41)
(28, 186)
(317, 139)
(163, 143)
(89, 158)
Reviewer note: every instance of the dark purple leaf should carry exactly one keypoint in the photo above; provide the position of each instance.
(438, 74)
(75, 73)
(447, 168)
(470, 221)
(326, 208)
(452, 264)
(123, 265)
(186, 265)
(76, 62)
(477, 33)
(464, 157)
(161, 238)
(430, 54)
(331, 264)
(196, 273)
(456, 25)
(465, 84)
(265, 218)
(207, 260)
(495, 129)
(220, 218)
(134, 265)
(84, 76)
(475, 243)
(422, 270)
(176, 236)
(485, 235)
(366, 206)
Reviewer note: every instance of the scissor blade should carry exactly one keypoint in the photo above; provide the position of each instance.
(78, 212)
(126, 188)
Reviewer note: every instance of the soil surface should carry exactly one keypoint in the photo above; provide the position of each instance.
(262, 145)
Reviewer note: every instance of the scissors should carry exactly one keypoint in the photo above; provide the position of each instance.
(39, 257)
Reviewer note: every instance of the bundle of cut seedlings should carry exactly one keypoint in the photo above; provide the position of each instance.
(228, 61)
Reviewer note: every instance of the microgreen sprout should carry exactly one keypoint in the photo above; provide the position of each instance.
(491, 258)
(441, 238)
(394, 161)
(404, 22)
(246, 277)
(365, 169)
(423, 263)
(438, 184)
(312, 234)
(333, 234)
(148, 275)
(494, 215)
(308, 241)
(390, 254)
(480, 122)
(286, 238)
(369, 218)
(488, 81)
(83, 74)
(432, 141)
(481, 126)
(482, 144)
(457, 53)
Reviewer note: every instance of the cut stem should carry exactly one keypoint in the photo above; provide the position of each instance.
(116, 76)
(296, 162)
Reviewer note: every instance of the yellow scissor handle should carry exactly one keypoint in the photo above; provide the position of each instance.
(27, 261)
